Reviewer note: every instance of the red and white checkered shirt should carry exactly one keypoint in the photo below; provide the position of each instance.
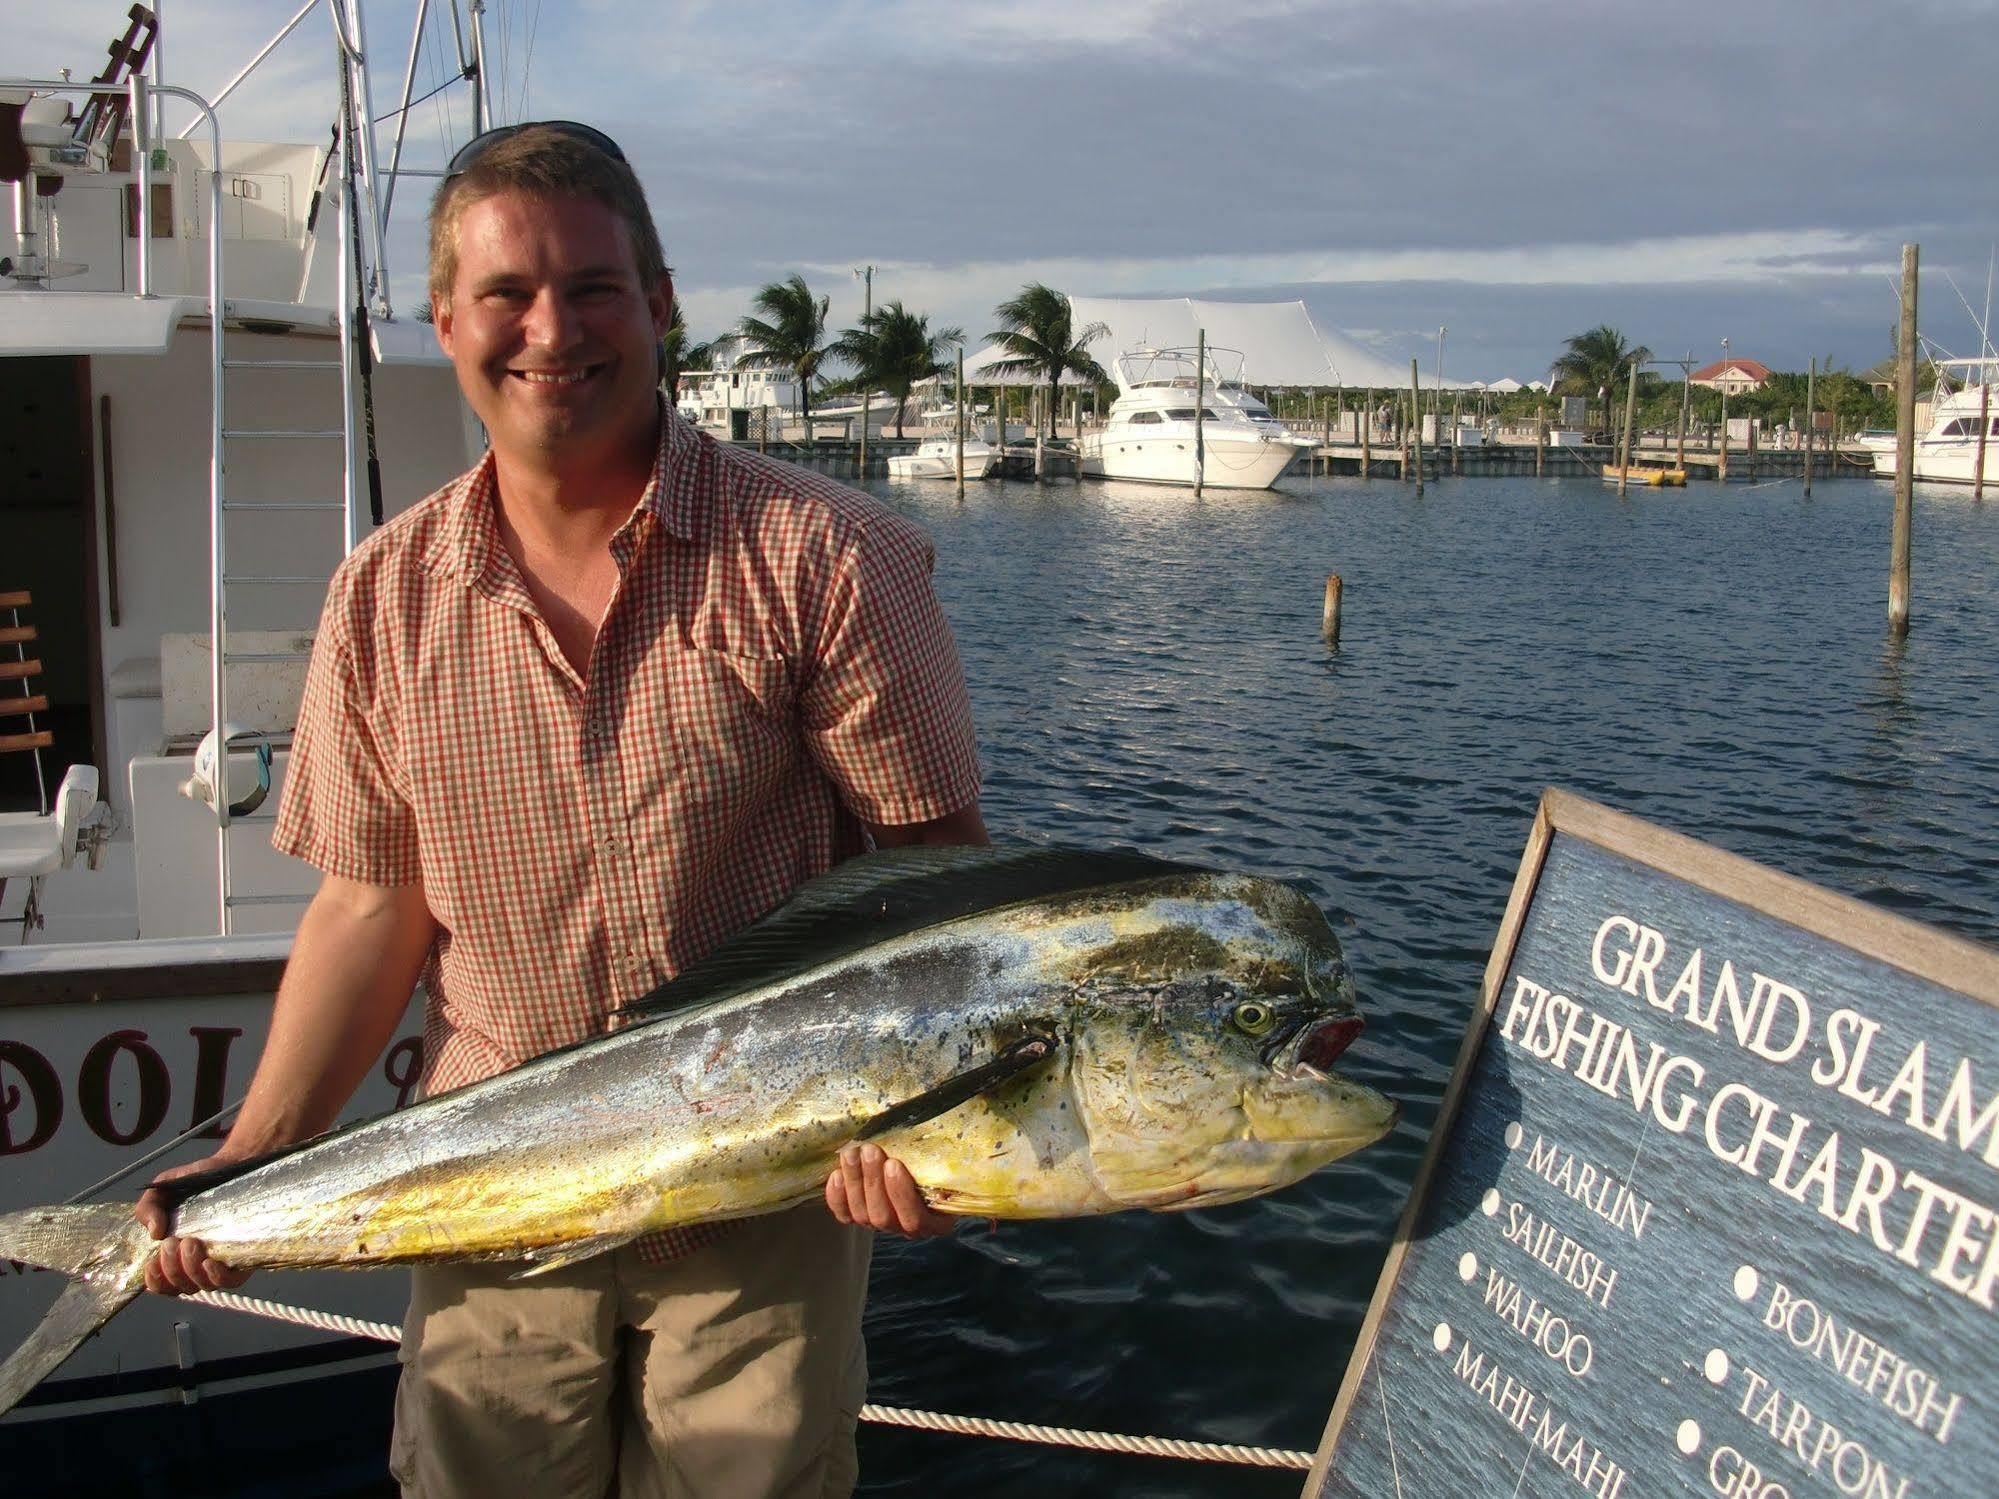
(773, 668)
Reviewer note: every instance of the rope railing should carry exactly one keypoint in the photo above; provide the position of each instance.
(884, 1415)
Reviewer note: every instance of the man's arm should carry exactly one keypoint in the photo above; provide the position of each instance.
(354, 964)
(870, 1187)
(964, 826)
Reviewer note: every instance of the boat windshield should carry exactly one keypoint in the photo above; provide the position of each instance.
(1186, 414)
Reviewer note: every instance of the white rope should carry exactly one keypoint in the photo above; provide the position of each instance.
(1100, 1441)
(354, 1327)
(886, 1415)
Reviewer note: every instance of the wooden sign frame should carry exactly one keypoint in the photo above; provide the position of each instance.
(1922, 951)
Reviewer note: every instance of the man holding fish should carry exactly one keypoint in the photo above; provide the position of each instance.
(570, 723)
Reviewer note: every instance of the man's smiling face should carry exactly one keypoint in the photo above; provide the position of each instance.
(553, 335)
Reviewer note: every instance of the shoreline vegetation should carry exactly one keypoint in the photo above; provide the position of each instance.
(892, 349)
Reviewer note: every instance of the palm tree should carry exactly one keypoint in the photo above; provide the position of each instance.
(892, 350)
(1036, 334)
(1597, 360)
(789, 334)
(678, 356)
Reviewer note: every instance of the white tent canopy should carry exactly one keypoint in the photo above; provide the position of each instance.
(1279, 342)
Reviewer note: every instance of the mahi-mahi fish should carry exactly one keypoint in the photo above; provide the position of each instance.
(1035, 1033)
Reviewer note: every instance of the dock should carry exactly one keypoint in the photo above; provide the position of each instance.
(840, 458)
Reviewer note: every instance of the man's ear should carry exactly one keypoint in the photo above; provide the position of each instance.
(660, 301)
(440, 324)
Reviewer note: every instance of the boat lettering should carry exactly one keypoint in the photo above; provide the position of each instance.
(124, 1087)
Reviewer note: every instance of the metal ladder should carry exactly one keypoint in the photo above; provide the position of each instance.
(224, 505)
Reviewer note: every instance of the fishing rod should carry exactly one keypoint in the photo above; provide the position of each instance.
(363, 350)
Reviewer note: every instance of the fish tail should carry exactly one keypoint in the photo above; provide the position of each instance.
(103, 1249)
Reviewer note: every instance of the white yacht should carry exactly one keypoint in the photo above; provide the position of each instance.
(1947, 453)
(198, 402)
(937, 458)
(1150, 432)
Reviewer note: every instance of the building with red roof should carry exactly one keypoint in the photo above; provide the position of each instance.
(1732, 375)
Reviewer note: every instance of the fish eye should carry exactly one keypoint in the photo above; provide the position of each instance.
(1253, 1017)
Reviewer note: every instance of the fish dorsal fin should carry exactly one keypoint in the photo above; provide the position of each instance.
(883, 895)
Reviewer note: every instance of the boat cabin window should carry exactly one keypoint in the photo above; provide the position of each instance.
(1186, 414)
(1967, 426)
(1145, 416)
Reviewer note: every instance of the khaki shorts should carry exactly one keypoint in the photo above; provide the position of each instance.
(734, 1372)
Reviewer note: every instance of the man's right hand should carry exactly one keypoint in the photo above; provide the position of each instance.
(181, 1267)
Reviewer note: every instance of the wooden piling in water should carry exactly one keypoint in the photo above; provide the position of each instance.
(1984, 426)
(959, 405)
(1416, 426)
(1540, 440)
(1200, 405)
(1811, 421)
(1624, 448)
(1905, 446)
(1329, 620)
(1457, 461)
(1686, 406)
(1366, 437)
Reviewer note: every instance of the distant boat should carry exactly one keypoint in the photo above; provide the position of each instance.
(937, 458)
(1149, 434)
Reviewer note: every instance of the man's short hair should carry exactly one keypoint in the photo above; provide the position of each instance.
(542, 163)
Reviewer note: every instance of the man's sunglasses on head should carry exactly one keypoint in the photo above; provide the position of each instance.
(483, 142)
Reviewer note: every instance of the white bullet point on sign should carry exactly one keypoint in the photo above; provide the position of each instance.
(1513, 1135)
(1467, 1266)
(1489, 1204)
(1688, 1437)
(1442, 1337)
(1717, 1366)
(1745, 1283)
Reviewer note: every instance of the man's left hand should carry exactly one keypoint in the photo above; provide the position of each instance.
(872, 1190)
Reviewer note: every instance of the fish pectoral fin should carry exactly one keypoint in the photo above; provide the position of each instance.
(570, 1252)
(1016, 1057)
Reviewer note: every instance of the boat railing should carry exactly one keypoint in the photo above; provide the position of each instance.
(142, 94)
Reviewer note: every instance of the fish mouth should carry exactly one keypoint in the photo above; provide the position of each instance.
(1312, 1045)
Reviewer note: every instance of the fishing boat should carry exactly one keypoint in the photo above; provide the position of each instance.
(1151, 433)
(213, 401)
(1948, 451)
(937, 458)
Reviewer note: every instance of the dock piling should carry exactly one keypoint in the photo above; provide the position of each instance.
(1416, 426)
(1905, 446)
(1366, 437)
(1811, 422)
(1329, 620)
(1984, 426)
(958, 406)
(1624, 448)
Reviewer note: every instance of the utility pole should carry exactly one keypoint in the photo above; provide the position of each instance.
(867, 276)
(1905, 446)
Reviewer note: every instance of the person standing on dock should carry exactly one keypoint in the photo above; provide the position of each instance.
(569, 723)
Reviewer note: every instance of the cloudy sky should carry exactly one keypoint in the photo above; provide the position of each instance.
(1518, 171)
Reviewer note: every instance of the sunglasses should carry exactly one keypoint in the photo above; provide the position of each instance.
(483, 142)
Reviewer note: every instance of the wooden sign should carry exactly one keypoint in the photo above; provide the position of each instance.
(1709, 1208)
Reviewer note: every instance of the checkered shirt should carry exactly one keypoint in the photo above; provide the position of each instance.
(772, 669)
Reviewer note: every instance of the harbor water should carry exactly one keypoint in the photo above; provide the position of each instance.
(1147, 670)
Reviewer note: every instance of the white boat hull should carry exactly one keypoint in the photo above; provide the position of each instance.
(1945, 461)
(926, 463)
(90, 1086)
(1229, 462)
